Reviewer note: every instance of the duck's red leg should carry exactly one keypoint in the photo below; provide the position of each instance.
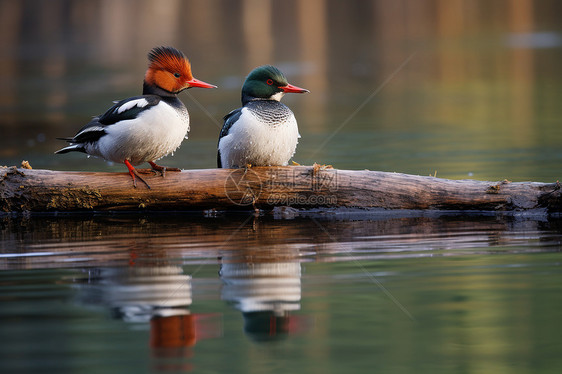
(134, 173)
(161, 169)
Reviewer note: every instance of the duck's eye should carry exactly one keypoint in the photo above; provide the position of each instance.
(269, 81)
(177, 75)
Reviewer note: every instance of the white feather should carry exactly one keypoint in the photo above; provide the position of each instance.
(251, 141)
(155, 133)
(277, 96)
(90, 129)
(141, 103)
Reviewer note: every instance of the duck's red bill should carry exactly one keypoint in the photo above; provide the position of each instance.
(197, 83)
(295, 89)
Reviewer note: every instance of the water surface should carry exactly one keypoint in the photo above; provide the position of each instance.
(240, 294)
(457, 89)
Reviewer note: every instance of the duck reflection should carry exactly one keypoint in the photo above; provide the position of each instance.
(266, 293)
(160, 296)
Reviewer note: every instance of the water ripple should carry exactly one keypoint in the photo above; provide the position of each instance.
(94, 241)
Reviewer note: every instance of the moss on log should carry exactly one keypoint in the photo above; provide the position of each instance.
(266, 187)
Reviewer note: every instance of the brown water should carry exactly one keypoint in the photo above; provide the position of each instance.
(464, 89)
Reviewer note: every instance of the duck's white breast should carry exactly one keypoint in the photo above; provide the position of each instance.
(155, 133)
(251, 141)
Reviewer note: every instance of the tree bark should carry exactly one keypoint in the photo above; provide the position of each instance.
(265, 188)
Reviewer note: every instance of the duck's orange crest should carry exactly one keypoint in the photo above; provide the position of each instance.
(168, 69)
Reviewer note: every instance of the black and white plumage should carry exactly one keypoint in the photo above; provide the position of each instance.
(138, 129)
(143, 128)
(264, 131)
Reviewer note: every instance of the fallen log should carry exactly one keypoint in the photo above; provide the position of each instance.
(265, 188)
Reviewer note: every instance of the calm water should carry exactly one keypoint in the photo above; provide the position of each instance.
(239, 294)
(461, 89)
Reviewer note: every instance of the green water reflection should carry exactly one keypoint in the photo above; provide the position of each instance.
(238, 294)
(470, 314)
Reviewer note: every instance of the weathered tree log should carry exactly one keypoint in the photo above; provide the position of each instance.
(266, 187)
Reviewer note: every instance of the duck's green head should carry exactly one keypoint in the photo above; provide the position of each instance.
(267, 83)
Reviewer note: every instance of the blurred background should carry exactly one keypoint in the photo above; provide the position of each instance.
(465, 89)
